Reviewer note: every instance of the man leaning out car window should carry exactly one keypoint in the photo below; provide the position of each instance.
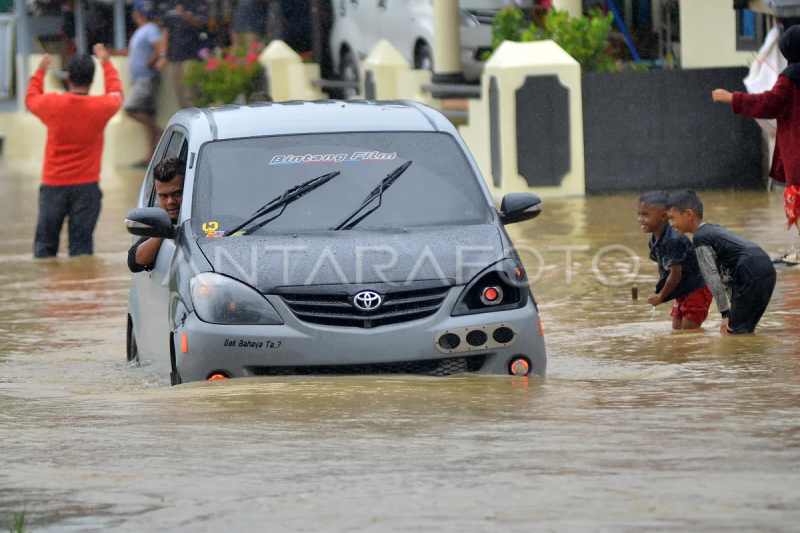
(169, 175)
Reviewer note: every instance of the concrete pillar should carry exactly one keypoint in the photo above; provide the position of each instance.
(119, 24)
(447, 42)
(289, 78)
(573, 7)
(80, 26)
(381, 68)
(526, 132)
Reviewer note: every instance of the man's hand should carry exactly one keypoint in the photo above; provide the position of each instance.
(655, 300)
(725, 328)
(101, 53)
(723, 96)
(44, 64)
(160, 64)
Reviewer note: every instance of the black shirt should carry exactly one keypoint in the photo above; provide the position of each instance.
(672, 249)
(184, 40)
(730, 263)
(133, 266)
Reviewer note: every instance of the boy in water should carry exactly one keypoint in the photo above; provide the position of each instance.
(680, 278)
(733, 267)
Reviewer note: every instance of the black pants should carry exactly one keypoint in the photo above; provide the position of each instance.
(749, 303)
(79, 203)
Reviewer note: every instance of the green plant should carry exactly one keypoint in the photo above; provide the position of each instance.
(19, 524)
(584, 38)
(221, 81)
(507, 25)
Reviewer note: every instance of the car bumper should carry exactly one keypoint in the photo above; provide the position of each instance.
(241, 351)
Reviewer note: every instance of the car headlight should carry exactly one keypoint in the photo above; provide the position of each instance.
(219, 299)
(500, 287)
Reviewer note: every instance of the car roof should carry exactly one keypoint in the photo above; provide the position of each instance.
(321, 116)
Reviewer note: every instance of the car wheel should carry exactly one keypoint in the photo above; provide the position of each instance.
(349, 72)
(132, 348)
(423, 58)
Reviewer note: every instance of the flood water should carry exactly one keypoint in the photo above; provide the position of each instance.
(634, 430)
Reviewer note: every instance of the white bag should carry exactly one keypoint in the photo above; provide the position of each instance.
(767, 65)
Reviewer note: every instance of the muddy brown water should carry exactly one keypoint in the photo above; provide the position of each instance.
(634, 430)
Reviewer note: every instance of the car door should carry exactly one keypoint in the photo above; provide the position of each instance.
(396, 26)
(364, 14)
(154, 344)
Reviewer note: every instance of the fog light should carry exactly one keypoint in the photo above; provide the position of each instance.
(217, 377)
(519, 367)
(492, 295)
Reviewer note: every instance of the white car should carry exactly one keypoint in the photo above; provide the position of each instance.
(358, 25)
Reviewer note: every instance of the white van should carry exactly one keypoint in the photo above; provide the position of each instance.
(408, 24)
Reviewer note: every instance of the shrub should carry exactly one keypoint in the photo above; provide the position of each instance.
(219, 81)
(584, 38)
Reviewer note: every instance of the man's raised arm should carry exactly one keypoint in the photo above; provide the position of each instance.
(35, 99)
(113, 94)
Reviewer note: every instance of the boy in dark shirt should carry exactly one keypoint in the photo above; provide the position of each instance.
(680, 278)
(734, 268)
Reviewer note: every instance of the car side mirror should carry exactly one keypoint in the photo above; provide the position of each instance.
(519, 207)
(151, 222)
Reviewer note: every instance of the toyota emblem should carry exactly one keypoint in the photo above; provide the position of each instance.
(367, 300)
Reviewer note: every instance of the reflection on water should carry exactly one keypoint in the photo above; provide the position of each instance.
(634, 430)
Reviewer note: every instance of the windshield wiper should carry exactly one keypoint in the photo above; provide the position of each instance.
(377, 192)
(281, 201)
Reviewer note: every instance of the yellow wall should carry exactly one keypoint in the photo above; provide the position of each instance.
(573, 7)
(708, 35)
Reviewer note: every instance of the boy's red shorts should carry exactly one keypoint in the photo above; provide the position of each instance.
(693, 306)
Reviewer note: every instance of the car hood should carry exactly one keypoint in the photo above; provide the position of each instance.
(454, 254)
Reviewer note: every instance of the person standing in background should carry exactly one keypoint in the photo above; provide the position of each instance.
(297, 24)
(182, 21)
(250, 22)
(143, 55)
(75, 124)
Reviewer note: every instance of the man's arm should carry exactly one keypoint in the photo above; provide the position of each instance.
(675, 276)
(112, 100)
(113, 85)
(155, 42)
(35, 99)
(162, 47)
(708, 265)
(142, 255)
(769, 104)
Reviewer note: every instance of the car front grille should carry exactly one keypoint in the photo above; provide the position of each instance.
(338, 310)
(428, 367)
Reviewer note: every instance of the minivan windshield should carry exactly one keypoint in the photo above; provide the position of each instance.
(236, 178)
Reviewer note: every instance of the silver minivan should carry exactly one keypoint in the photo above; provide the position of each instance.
(330, 237)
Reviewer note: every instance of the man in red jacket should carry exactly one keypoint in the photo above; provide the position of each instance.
(781, 103)
(75, 123)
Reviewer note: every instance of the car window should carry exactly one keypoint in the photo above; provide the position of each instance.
(237, 177)
(176, 144)
(173, 144)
